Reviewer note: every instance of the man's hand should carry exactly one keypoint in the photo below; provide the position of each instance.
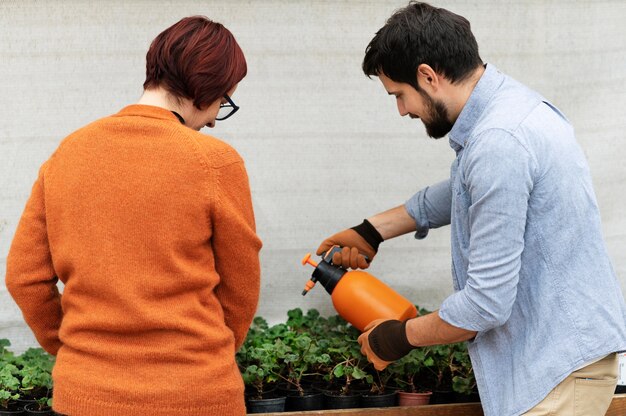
(384, 341)
(366, 349)
(356, 242)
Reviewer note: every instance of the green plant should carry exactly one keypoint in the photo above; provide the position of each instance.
(28, 375)
(9, 384)
(44, 403)
(261, 357)
(378, 380)
(463, 380)
(304, 358)
(345, 353)
(261, 365)
(35, 371)
(309, 344)
(6, 356)
(301, 323)
(439, 375)
(406, 370)
(36, 381)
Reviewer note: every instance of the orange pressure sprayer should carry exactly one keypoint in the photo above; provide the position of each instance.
(358, 297)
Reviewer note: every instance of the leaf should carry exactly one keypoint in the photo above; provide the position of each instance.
(312, 314)
(338, 371)
(358, 373)
(323, 359)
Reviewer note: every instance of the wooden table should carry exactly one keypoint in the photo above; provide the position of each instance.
(617, 408)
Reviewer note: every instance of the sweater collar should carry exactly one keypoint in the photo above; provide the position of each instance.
(151, 111)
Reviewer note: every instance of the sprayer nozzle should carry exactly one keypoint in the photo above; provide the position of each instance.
(309, 285)
(307, 259)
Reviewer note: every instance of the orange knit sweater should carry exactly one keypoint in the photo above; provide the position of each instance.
(149, 225)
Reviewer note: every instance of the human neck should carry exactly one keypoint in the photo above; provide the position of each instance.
(160, 97)
(462, 92)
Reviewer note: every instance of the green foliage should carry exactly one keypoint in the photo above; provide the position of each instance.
(44, 403)
(410, 368)
(6, 356)
(9, 385)
(28, 375)
(308, 344)
(463, 380)
(259, 362)
(345, 352)
(305, 357)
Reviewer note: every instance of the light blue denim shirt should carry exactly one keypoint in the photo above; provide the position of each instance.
(530, 269)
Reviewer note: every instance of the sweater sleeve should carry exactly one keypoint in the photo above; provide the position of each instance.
(236, 247)
(30, 276)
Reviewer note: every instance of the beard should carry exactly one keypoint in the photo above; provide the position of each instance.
(438, 124)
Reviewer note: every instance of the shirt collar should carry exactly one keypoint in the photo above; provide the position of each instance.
(486, 86)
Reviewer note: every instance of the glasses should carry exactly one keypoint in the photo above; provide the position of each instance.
(227, 110)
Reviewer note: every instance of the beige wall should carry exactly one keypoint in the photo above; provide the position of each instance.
(324, 146)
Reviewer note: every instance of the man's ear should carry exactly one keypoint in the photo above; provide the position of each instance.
(427, 78)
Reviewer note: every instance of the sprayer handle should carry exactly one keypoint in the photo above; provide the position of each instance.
(328, 256)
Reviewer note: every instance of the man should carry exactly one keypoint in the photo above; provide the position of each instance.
(535, 294)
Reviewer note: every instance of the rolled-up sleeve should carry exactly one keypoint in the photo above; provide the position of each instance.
(430, 207)
(497, 174)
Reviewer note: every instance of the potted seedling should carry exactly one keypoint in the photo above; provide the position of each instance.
(345, 390)
(379, 394)
(260, 360)
(41, 407)
(9, 385)
(463, 381)
(439, 375)
(35, 374)
(303, 358)
(406, 371)
(36, 386)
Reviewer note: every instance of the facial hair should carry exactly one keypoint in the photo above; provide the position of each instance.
(438, 124)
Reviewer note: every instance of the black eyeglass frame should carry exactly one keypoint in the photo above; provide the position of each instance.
(230, 104)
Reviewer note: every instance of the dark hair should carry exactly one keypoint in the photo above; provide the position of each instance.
(197, 59)
(422, 34)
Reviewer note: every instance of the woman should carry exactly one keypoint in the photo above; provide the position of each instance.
(149, 225)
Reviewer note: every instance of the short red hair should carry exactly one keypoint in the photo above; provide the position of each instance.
(197, 59)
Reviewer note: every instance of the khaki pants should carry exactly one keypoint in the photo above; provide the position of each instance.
(585, 392)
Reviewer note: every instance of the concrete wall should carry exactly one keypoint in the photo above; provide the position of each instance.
(324, 146)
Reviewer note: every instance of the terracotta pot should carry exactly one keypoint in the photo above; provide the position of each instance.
(413, 399)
